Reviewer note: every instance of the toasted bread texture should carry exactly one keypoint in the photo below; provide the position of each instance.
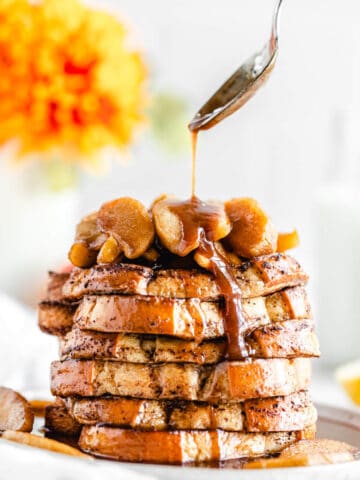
(286, 339)
(293, 412)
(58, 420)
(183, 446)
(56, 281)
(227, 381)
(55, 318)
(185, 318)
(256, 277)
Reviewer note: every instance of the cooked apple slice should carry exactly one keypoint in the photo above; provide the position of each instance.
(128, 221)
(88, 240)
(15, 411)
(109, 251)
(80, 255)
(204, 261)
(151, 255)
(88, 232)
(253, 232)
(179, 224)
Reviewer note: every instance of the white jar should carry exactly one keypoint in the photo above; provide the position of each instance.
(337, 261)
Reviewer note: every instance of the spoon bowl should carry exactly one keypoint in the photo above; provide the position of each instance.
(242, 85)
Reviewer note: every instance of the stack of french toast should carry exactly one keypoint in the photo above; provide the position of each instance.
(185, 334)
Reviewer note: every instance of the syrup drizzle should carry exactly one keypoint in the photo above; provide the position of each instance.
(194, 137)
(197, 217)
(235, 325)
(199, 220)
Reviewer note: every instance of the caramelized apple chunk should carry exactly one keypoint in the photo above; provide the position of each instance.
(286, 241)
(15, 411)
(129, 223)
(180, 224)
(88, 240)
(109, 251)
(253, 232)
(81, 255)
(151, 255)
(204, 262)
(88, 232)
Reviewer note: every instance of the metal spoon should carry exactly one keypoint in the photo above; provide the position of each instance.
(242, 85)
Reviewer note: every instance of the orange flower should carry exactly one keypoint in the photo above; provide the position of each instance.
(67, 79)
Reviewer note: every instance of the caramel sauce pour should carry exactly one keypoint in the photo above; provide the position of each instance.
(235, 325)
(197, 219)
(194, 138)
(198, 222)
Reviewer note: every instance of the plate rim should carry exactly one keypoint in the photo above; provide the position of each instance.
(337, 415)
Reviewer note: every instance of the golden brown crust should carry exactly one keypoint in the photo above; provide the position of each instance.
(227, 381)
(122, 278)
(55, 318)
(288, 339)
(184, 318)
(181, 446)
(256, 277)
(293, 412)
(257, 379)
(79, 376)
(56, 281)
(58, 419)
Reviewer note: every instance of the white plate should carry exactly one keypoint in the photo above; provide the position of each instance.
(335, 423)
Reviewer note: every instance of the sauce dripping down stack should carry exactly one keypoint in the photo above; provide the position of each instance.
(199, 222)
(197, 219)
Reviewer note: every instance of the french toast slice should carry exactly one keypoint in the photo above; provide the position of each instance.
(287, 339)
(55, 318)
(59, 420)
(293, 412)
(226, 381)
(55, 283)
(183, 446)
(256, 277)
(185, 318)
